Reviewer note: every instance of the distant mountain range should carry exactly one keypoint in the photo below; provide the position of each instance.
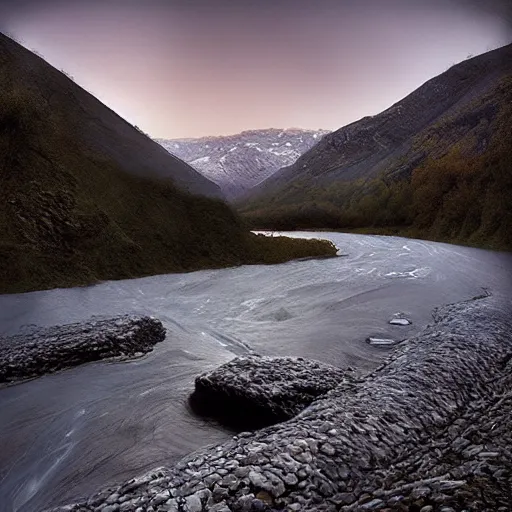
(85, 196)
(236, 163)
(437, 164)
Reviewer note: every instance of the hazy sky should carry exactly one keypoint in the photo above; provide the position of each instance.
(186, 68)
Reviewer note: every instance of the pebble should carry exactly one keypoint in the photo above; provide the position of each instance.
(399, 441)
(373, 505)
(399, 321)
(328, 449)
(194, 504)
(381, 341)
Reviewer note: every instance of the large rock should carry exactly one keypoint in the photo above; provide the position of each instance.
(428, 430)
(39, 351)
(253, 391)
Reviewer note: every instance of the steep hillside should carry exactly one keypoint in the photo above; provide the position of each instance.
(86, 122)
(435, 165)
(375, 144)
(85, 196)
(239, 162)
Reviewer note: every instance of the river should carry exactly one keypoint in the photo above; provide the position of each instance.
(67, 435)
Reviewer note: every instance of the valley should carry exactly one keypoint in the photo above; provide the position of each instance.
(299, 319)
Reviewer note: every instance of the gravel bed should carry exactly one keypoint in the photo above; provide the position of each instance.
(429, 430)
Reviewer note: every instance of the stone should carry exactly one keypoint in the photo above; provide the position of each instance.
(344, 498)
(194, 503)
(382, 342)
(420, 492)
(488, 455)
(110, 508)
(290, 480)
(160, 498)
(375, 504)
(265, 497)
(400, 321)
(168, 506)
(449, 485)
(36, 351)
(113, 498)
(399, 430)
(328, 449)
(268, 389)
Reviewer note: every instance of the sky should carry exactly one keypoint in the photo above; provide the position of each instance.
(190, 68)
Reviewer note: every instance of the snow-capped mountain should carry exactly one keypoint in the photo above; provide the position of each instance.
(239, 162)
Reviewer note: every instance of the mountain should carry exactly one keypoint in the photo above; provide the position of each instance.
(239, 162)
(432, 165)
(85, 196)
(101, 132)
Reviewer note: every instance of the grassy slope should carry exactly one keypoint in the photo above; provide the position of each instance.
(70, 214)
(459, 193)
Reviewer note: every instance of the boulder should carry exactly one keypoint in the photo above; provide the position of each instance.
(253, 391)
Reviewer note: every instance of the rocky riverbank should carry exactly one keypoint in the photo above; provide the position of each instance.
(427, 431)
(253, 391)
(45, 350)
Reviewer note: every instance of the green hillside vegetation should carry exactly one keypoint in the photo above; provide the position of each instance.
(460, 192)
(70, 214)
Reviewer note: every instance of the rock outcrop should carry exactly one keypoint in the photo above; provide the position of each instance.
(39, 351)
(253, 391)
(428, 430)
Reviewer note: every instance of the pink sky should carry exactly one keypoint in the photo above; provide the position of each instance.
(190, 68)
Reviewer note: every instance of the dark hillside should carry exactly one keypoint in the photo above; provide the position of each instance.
(84, 196)
(85, 122)
(448, 179)
(377, 143)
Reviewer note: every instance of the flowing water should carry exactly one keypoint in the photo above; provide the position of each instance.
(67, 435)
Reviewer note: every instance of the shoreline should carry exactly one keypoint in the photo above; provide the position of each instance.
(341, 450)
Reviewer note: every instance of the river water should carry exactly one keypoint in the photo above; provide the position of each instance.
(67, 435)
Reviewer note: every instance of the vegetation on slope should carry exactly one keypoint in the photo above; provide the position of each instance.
(460, 192)
(370, 146)
(71, 214)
